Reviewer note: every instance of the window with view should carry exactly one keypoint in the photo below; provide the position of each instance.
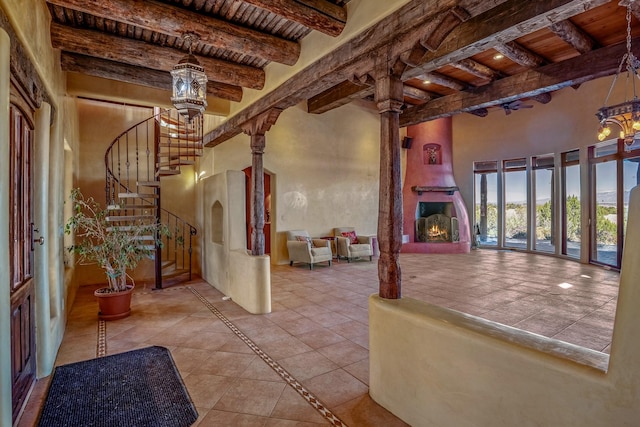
(486, 202)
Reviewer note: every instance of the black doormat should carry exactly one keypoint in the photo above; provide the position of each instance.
(138, 388)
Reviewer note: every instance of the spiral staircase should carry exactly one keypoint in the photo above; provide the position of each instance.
(136, 160)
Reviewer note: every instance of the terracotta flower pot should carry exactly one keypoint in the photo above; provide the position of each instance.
(113, 305)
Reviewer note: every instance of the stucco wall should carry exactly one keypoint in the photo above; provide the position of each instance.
(226, 264)
(325, 171)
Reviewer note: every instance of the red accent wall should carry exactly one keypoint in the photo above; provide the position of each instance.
(429, 164)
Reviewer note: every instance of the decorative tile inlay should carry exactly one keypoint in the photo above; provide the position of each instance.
(101, 349)
(295, 384)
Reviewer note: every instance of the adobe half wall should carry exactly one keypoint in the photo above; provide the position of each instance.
(226, 264)
(448, 368)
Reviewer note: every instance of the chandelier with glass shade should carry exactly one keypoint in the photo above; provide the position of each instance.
(189, 83)
(625, 115)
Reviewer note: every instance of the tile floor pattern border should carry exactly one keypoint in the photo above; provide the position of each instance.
(101, 351)
(289, 379)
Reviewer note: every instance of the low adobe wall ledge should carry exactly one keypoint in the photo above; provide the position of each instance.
(417, 311)
(435, 366)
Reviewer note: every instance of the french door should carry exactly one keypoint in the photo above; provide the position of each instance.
(614, 172)
(21, 230)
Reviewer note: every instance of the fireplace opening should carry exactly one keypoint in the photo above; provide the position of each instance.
(436, 222)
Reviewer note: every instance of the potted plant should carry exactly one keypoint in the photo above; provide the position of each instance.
(115, 248)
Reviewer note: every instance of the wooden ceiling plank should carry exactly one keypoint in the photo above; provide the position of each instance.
(519, 54)
(138, 75)
(319, 15)
(573, 35)
(505, 22)
(174, 21)
(134, 52)
(595, 64)
(402, 29)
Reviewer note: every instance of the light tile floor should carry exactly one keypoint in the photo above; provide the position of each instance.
(318, 330)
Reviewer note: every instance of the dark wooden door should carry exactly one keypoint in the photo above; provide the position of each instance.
(23, 366)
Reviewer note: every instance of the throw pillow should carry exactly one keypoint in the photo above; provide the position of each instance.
(351, 235)
(304, 239)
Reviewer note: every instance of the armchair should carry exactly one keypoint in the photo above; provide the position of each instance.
(349, 245)
(303, 248)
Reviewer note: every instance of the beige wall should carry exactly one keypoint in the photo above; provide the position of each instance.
(99, 124)
(566, 123)
(325, 171)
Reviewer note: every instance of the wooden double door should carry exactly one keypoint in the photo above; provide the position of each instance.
(21, 240)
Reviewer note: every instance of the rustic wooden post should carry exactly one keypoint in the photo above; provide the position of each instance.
(256, 128)
(389, 99)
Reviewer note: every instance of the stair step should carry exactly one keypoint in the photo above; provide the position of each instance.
(115, 218)
(166, 264)
(122, 227)
(180, 145)
(167, 121)
(174, 273)
(126, 207)
(176, 162)
(181, 153)
(137, 196)
(182, 136)
(149, 183)
(167, 172)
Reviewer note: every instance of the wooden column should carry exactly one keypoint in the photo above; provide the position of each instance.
(389, 100)
(256, 128)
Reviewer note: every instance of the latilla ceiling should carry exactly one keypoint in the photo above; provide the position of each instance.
(139, 41)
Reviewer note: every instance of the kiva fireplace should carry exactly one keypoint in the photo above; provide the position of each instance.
(435, 217)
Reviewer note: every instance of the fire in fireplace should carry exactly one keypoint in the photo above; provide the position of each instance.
(436, 222)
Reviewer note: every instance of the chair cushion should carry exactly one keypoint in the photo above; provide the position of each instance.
(351, 235)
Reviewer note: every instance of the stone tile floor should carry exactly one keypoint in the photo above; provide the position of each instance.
(318, 330)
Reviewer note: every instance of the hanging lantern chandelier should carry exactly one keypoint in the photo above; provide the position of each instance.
(189, 83)
(626, 114)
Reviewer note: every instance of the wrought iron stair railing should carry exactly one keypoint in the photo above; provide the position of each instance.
(135, 162)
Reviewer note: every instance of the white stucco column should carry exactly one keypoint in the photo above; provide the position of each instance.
(45, 355)
(5, 306)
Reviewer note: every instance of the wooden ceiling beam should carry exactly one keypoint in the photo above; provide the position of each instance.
(400, 30)
(417, 93)
(174, 21)
(519, 54)
(597, 63)
(476, 69)
(573, 35)
(138, 75)
(319, 15)
(543, 98)
(442, 80)
(503, 23)
(134, 52)
(339, 95)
